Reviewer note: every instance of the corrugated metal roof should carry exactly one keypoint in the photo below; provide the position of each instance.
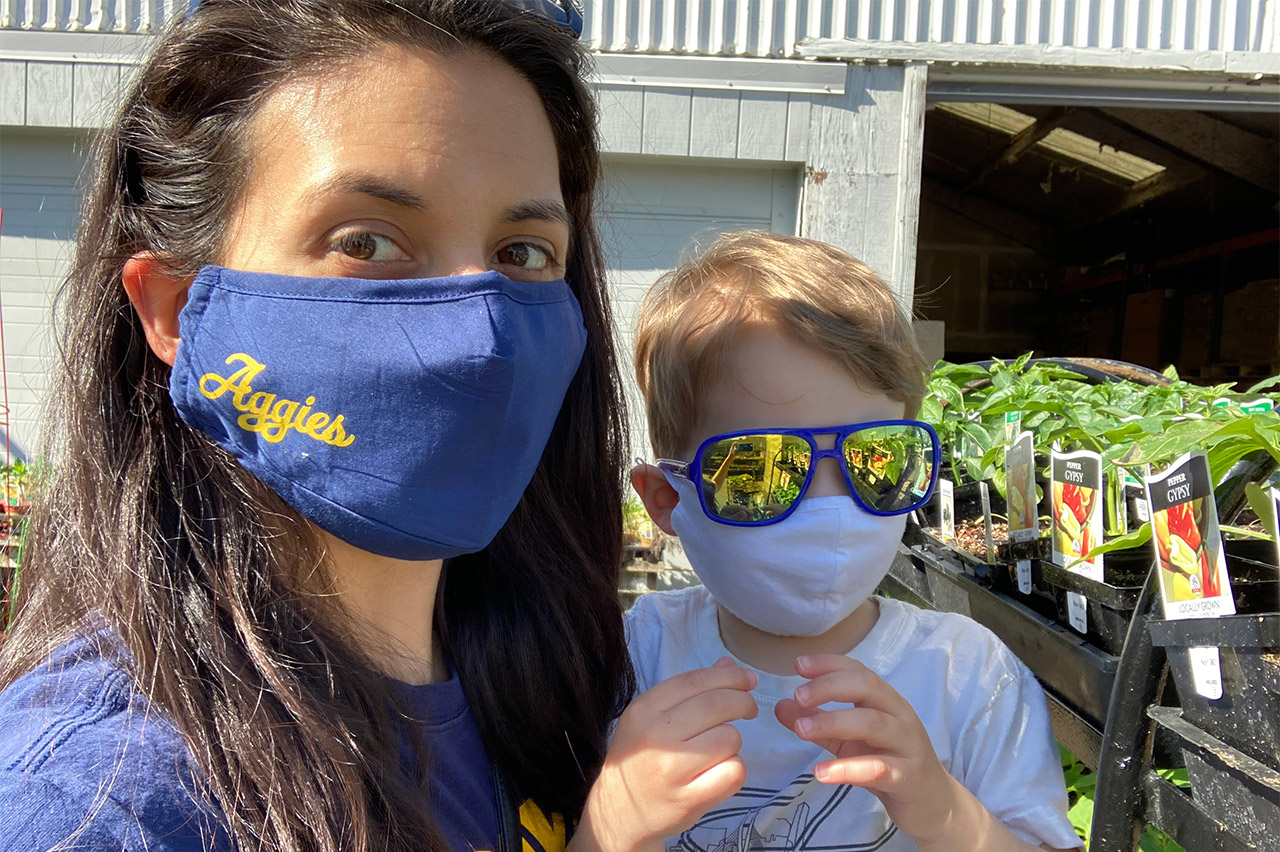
(773, 28)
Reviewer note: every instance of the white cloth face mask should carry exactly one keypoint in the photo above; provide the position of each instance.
(799, 577)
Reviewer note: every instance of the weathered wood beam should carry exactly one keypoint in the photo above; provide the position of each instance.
(1207, 140)
(1100, 128)
(1144, 191)
(1010, 223)
(1021, 143)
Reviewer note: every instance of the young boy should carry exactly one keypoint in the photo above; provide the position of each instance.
(880, 726)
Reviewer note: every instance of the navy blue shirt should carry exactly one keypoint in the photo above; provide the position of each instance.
(84, 756)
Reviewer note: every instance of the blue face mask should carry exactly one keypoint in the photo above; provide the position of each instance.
(404, 417)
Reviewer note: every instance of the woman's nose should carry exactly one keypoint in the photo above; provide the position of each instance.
(457, 261)
(828, 480)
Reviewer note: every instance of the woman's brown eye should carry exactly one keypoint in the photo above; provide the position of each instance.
(525, 256)
(361, 245)
(516, 255)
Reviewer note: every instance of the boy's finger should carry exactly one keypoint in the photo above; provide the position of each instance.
(677, 764)
(816, 665)
(868, 728)
(714, 786)
(856, 684)
(680, 688)
(788, 712)
(706, 710)
(716, 745)
(871, 771)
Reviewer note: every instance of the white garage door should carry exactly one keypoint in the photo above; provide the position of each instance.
(39, 175)
(657, 210)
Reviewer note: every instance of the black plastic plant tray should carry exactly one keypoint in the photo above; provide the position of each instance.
(1174, 812)
(975, 565)
(1254, 587)
(1247, 717)
(1237, 791)
(1110, 601)
(1253, 549)
(1000, 576)
(1080, 674)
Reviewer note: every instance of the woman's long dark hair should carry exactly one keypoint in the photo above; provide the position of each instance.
(207, 578)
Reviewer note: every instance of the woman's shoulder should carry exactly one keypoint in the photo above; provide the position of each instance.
(84, 755)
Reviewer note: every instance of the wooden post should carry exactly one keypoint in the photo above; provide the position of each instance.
(862, 178)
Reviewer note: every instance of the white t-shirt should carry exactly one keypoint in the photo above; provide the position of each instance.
(984, 711)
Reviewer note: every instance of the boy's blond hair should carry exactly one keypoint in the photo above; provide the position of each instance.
(816, 293)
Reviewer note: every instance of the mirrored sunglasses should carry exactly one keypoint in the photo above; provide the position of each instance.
(758, 477)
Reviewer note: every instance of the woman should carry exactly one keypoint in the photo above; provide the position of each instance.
(306, 577)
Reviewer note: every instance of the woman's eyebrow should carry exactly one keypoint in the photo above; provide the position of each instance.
(366, 184)
(547, 211)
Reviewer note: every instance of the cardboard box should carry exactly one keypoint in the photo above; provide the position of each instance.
(931, 336)
(1197, 328)
(1251, 324)
(1102, 329)
(1144, 319)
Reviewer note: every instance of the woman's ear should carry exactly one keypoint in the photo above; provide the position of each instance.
(157, 295)
(656, 493)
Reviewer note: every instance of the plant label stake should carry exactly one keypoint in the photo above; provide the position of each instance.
(1206, 671)
(1020, 490)
(1076, 508)
(1137, 492)
(1192, 563)
(1184, 518)
(1078, 612)
(984, 494)
(1257, 406)
(947, 509)
(1024, 576)
(1012, 425)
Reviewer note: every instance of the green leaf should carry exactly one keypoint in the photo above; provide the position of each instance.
(961, 373)
(977, 433)
(1243, 532)
(992, 404)
(1272, 382)
(931, 410)
(1130, 541)
(1003, 380)
(1170, 372)
(1261, 504)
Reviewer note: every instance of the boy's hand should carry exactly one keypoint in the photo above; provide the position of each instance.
(672, 758)
(880, 743)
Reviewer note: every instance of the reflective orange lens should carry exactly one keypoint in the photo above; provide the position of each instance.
(890, 466)
(753, 478)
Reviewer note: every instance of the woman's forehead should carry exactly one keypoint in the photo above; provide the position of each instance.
(435, 126)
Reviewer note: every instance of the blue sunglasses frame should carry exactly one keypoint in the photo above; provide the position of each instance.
(692, 470)
(563, 13)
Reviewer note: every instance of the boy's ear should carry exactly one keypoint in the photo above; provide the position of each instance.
(656, 493)
(157, 295)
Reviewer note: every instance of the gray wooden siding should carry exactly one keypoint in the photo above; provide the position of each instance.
(59, 94)
(39, 193)
(761, 126)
